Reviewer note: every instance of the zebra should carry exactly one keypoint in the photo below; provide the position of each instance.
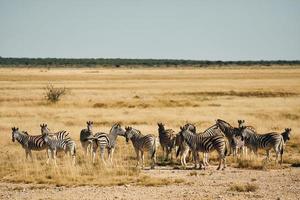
(58, 142)
(108, 141)
(29, 142)
(142, 143)
(86, 138)
(238, 143)
(286, 134)
(198, 143)
(230, 133)
(166, 140)
(266, 141)
(183, 149)
(211, 131)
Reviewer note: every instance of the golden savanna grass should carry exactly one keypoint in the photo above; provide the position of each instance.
(268, 99)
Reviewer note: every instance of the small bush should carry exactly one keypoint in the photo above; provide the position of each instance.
(53, 94)
(244, 187)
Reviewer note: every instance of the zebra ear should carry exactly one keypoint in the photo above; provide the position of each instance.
(181, 128)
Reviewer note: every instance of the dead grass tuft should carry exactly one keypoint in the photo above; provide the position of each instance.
(238, 187)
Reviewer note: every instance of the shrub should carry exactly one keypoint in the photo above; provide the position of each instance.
(53, 94)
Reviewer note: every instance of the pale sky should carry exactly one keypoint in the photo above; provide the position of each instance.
(199, 30)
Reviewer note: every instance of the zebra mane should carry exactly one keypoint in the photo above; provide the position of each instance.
(225, 123)
(211, 127)
(113, 126)
(137, 131)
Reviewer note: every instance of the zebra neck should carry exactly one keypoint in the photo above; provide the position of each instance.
(22, 139)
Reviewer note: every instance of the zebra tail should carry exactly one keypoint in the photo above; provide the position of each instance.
(282, 146)
(178, 151)
(154, 146)
(226, 153)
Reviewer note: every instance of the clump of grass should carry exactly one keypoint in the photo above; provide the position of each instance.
(54, 94)
(249, 164)
(243, 187)
(193, 173)
(290, 116)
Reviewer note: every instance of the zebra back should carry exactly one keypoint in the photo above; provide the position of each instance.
(204, 144)
(31, 142)
(141, 142)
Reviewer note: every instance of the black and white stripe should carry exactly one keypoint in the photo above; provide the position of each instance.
(107, 141)
(266, 141)
(198, 143)
(29, 142)
(230, 133)
(57, 142)
(86, 138)
(166, 140)
(142, 143)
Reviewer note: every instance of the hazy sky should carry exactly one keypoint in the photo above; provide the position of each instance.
(202, 30)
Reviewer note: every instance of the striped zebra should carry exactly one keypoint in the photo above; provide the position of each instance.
(237, 143)
(198, 143)
(230, 133)
(286, 134)
(57, 142)
(266, 141)
(142, 143)
(107, 141)
(86, 138)
(211, 131)
(183, 149)
(29, 142)
(166, 140)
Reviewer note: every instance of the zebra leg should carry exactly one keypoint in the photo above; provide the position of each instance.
(48, 152)
(94, 152)
(138, 157)
(53, 153)
(153, 160)
(112, 155)
(268, 155)
(102, 149)
(220, 161)
(195, 159)
(142, 156)
(30, 154)
(26, 154)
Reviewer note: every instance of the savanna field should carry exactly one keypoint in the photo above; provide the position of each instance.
(266, 98)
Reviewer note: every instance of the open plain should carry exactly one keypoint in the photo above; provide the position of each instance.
(266, 98)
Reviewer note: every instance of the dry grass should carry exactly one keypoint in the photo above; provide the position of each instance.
(243, 187)
(266, 98)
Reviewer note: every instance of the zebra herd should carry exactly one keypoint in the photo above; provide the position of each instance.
(220, 137)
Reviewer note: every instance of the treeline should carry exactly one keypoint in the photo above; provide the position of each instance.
(118, 62)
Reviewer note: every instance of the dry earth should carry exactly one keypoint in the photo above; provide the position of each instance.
(208, 184)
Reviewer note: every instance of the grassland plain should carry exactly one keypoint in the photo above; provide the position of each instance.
(268, 99)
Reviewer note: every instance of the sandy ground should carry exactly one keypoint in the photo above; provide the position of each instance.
(208, 184)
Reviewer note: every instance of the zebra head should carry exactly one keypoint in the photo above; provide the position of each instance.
(128, 133)
(190, 127)
(44, 129)
(161, 127)
(241, 123)
(14, 134)
(286, 134)
(117, 129)
(89, 125)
